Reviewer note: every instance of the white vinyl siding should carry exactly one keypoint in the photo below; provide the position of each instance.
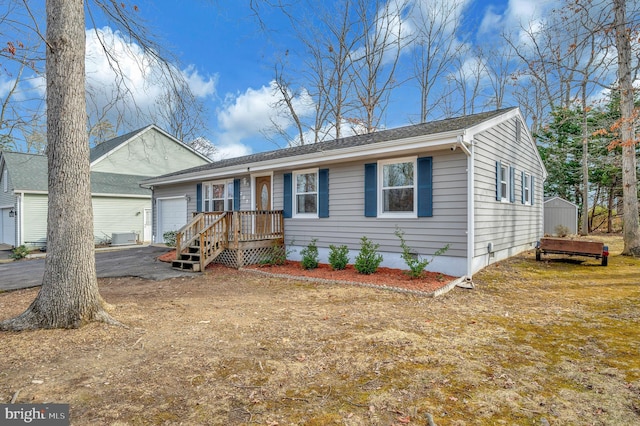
(34, 219)
(113, 214)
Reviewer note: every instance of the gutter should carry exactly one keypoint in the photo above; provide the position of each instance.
(438, 140)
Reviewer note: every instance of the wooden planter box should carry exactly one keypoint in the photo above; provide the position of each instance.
(573, 248)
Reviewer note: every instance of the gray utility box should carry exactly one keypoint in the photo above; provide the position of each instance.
(123, 238)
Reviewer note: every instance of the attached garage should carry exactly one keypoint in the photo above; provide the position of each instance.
(172, 215)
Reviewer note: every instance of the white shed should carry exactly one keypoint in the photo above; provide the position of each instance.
(558, 211)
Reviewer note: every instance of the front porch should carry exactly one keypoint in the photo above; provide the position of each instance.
(235, 239)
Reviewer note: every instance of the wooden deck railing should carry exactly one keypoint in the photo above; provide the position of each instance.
(217, 230)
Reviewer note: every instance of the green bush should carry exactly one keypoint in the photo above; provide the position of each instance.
(170, 238)
(368, 259)
(338, 257)
(277, 256)
(310, 255)
(415, 263)
(19, 252)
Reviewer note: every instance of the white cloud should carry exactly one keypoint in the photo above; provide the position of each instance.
(257, 112)
(201, 86)
(230, 151)
(128, 79)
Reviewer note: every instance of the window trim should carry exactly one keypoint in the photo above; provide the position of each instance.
(207, 186)
(380, 188)
(505, 190)
(294, 194)
(526, 189)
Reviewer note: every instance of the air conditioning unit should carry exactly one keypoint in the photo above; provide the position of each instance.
(123, 238)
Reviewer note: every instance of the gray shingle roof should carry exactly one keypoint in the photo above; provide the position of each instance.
(431, 128)
(28, 172)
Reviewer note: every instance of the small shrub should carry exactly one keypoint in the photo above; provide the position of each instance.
(277, 256)
(415, 263)
(19, 252)
(170, 238)
(561, 230)
(338, 257)
(368, 260)
(310, 255)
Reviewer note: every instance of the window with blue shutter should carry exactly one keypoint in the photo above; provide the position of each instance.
(533, 197)
(323, 193)
(425, 187)
(498, 181)
(199, 197)
(288, 202)
(370, 190)
(512, 184)
(236, 195)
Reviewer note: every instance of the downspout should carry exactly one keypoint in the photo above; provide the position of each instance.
(471, 229)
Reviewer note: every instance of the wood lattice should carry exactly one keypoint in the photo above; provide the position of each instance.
(237, 258)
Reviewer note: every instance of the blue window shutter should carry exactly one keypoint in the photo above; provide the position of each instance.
(523, 185)
(323, 193)
(288, 200)
(370, 190)
(425, 187)
(236, 195)
(512, 184)
(199, 197)
(498, 181)
(531, 190)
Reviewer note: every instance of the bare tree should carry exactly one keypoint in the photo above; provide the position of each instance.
(435, 47)
(631, 232)
(376, 59)
(69, 296)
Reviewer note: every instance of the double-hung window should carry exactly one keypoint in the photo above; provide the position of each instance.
(526, 188)
(217, 196)
(504, 182)
(306, 193)
(397, 187)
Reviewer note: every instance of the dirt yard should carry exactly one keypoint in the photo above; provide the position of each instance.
(553, 342)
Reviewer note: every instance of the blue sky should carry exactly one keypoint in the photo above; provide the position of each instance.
(228, 60)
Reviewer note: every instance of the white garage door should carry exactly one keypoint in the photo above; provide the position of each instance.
(172, 215)
(7, 228)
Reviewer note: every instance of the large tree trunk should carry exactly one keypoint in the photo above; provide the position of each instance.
(631, 233)
(69, 295)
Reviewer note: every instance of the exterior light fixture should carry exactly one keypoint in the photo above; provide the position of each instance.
(12, 212)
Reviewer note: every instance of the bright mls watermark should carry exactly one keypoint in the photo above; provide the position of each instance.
(34, 414)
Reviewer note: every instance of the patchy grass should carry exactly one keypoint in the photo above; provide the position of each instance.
(555, 340)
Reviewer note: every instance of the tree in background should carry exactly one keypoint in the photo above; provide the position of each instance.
(628, 114)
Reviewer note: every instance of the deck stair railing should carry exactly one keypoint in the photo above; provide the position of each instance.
(208, 234)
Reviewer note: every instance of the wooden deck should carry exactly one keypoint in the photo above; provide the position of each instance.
(235, 239)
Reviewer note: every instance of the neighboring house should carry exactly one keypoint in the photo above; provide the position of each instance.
(474, 183)
(118, 165)
(559, 212)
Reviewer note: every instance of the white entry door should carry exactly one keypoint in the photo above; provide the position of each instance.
(7, 228)
(172, 215)
(147, 225)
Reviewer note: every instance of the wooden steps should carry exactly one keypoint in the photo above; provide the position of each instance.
(189, 261)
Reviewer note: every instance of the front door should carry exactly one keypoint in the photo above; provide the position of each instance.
(148, 221)
(263, 202)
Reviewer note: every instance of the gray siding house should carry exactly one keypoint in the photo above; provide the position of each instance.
(118, 166)
(473, 182)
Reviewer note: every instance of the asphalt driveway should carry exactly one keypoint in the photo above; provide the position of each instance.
(127, 262)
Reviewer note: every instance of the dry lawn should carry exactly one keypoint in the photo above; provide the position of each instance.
(534, 342)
